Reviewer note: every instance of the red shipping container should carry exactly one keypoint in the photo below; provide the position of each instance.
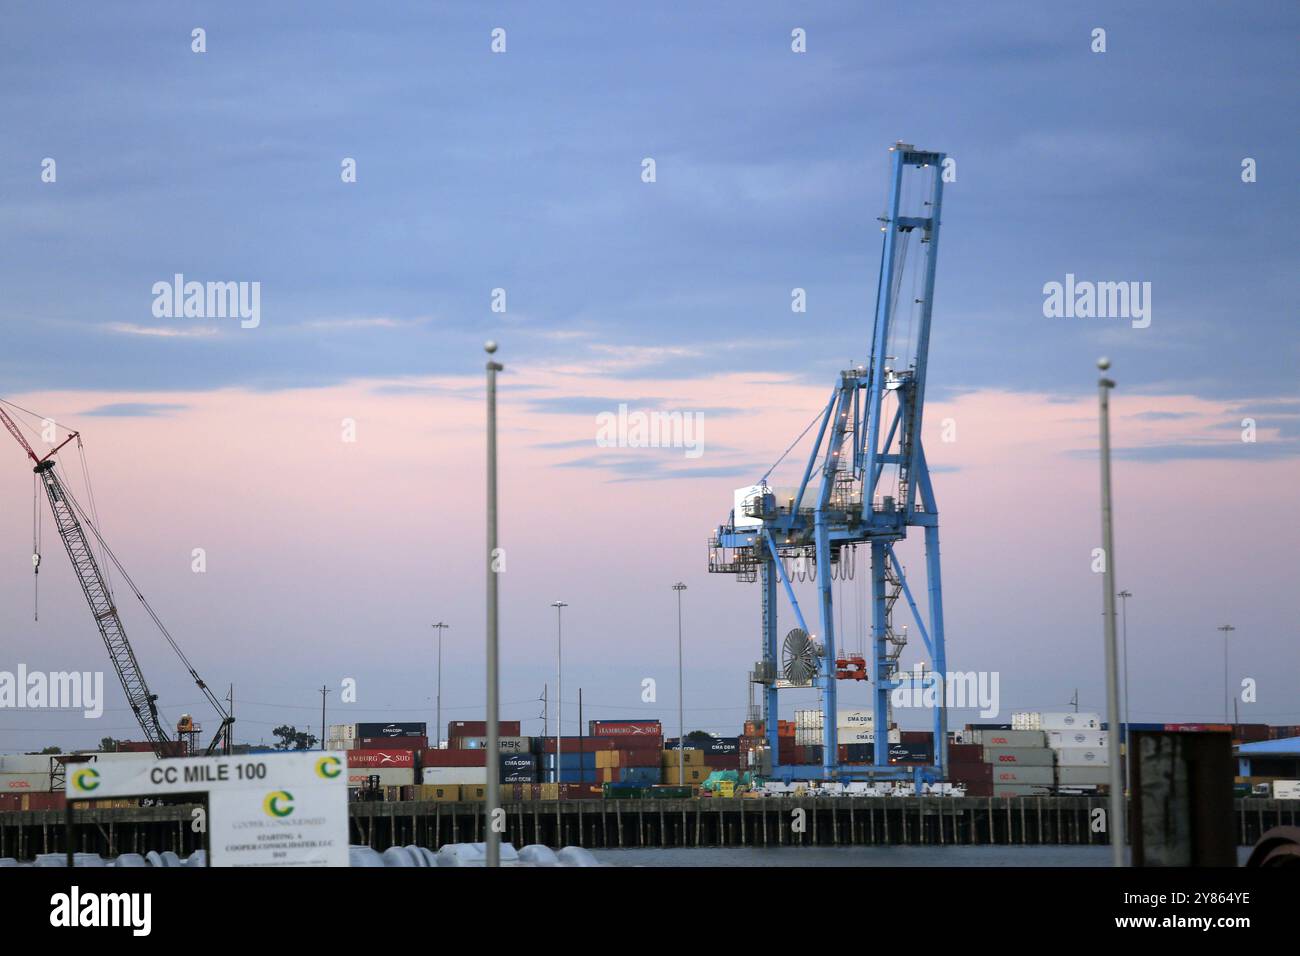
(392, 743)
(979, 772)
(373, 759)
(453, 758)
(965, 753)
(44, 801)
(915, 736)
(573, 745)
(478, 728)
(626, 728)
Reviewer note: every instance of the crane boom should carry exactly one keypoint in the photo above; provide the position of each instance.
(72, 531)
(102, 608)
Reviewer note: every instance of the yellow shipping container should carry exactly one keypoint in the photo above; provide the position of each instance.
(693, 775)
(473, 791)
(606, 759)
(442, 793)
(692, 758)
(550, 791)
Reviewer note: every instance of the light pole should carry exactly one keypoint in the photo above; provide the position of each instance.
(1117, 821)
(1128, 717)
(679, 587)
(559, 680)
(1227, 695)
(437, 720)
(493, 800)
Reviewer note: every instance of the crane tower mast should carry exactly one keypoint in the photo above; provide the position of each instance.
(866, 483)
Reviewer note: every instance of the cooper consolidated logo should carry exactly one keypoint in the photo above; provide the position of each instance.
(329, 767)
(278, 803)
(86, 779)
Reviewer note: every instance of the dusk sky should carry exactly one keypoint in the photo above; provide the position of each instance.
(523, 171)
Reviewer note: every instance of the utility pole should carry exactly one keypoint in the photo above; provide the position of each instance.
(437, 721)
(679, 587)
(1117, 821)
(559, 677)
(546, 710)
(1227, 694)
(230, 727)
(493, 801)
(323, 691)
(1127, 718)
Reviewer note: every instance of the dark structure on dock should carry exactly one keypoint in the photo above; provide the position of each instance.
(599, 824)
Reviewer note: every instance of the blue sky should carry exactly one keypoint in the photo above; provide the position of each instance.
(522, 171)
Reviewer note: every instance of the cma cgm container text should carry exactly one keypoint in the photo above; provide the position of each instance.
(389, 730)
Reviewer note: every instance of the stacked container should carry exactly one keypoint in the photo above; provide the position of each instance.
(1021, 764)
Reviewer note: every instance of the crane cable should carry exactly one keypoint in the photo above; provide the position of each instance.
(207, 692)
(36, 547)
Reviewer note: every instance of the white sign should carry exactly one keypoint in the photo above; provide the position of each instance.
(287, 809)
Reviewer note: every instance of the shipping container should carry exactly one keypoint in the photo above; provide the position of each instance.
(342, 731)
(625, 728)
(1019, 756)
(1019, 790)
(1082, 757)
(1286, 789)
(593, 744)
(717, 745)
(392, 743)
(505, 745)
(473, 792)
(693, 775)
(25, 782)
(444, 776)
(453, 758)
(1011, 738)
(1055, 721)
(388, 777)
(1056, 739)
(398, 759)
(478, 728)
(409, 729)
(965, 753)
(1035, 776)
(440, 793)
(1082, 776)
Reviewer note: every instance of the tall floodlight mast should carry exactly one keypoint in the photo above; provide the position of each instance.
(870, 485)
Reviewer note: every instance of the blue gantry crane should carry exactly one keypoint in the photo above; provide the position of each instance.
(858, 489)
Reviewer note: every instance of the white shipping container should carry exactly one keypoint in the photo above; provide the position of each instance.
(855, 718)
(454, 775)
(122, 757)
(25, 763)
(1286, 789)
(808, 719)
(25, 782)
(341, 743)
(849, 735)
(388, 776)
(1082, 757)
(1082, 776)
(1096, 739)
(343, 731)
